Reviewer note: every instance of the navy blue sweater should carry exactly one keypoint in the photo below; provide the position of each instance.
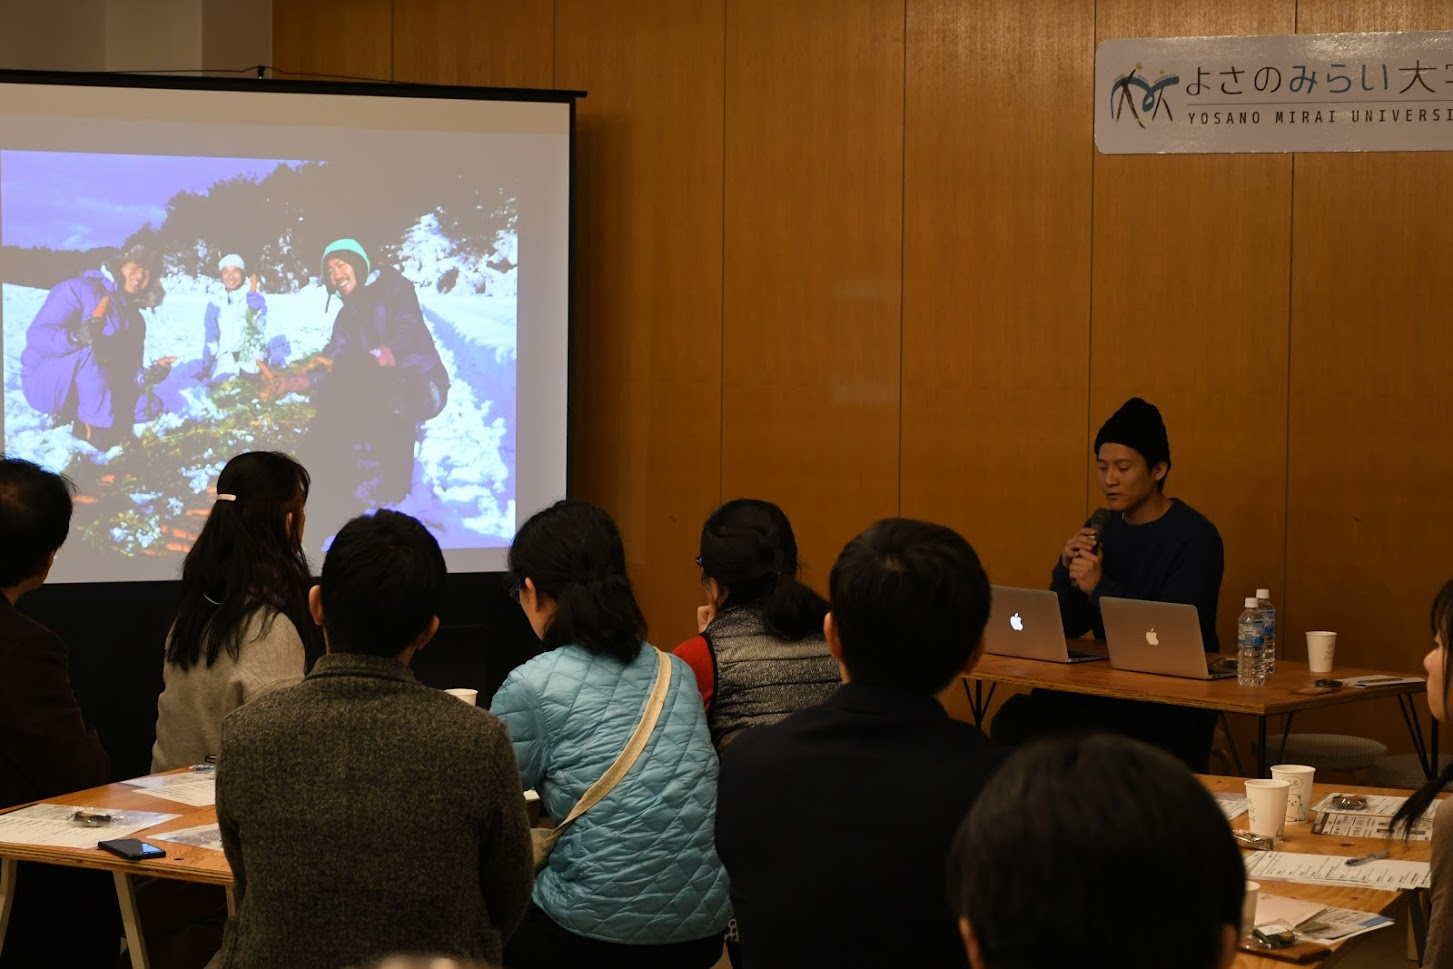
(1176, 558)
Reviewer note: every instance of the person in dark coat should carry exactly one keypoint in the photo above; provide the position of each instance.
(82, 362)
(375, 382)
(887, 773)
(46, 746)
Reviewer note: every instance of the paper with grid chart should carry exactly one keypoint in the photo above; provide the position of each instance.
(53, 825)
(202, 836)
(1384, 874)
(197, 789)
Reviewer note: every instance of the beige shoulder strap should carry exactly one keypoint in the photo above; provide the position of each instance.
(634, 746)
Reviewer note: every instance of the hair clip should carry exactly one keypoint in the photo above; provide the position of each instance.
(222, 497)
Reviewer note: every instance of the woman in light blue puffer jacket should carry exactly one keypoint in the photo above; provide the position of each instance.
(635, 881)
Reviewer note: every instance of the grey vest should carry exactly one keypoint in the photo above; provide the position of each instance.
(760, 678)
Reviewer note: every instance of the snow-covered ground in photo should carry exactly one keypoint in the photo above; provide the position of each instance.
(464, 479)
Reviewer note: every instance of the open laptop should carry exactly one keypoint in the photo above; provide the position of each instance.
(1158, 637)
(1026, 623)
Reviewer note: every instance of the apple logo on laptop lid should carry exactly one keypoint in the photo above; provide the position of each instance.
(1015, 623)
(1152, 637)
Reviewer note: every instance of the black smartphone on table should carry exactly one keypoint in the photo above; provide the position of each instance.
(132, 849)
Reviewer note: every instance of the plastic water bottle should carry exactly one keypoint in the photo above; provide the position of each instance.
(1250, 646)
(1268, 628)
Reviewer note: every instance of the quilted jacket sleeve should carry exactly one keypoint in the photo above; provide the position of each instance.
(518, 705)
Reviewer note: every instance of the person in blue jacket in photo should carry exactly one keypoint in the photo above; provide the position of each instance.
(82, 362)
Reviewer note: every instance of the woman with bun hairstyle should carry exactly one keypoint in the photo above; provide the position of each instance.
(243, 626)
(761, 654)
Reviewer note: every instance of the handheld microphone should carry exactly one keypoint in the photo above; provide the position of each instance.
(1098, 522)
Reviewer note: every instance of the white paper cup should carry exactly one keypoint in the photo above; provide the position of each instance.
(1266, 803)
(467, 695)
(1299, 795)
(1248, 907)
(1320, 646)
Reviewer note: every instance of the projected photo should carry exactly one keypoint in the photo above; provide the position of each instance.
(164, 313)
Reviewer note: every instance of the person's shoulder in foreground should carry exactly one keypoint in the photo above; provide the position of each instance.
(886, 772)
(46, 747)
(1097, 801)
(339, 870)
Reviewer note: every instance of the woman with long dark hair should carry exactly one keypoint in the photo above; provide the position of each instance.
(1439, 952)
(761, 654)
(635, 881)
(243, 627)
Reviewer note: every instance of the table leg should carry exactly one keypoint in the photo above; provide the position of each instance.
(1427, 753)
(1286, 731)
(9, 868)
(978, 703)
(1231, 744)
(135, 943)
(1261, 746)
(231, 903)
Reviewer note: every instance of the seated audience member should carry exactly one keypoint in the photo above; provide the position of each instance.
(362, 812)
(635, 881)
(46, 746)
(834, 823)
(243, 627)
(1096, 851)
(1153, 547)
(1439, 951)
(761, 653)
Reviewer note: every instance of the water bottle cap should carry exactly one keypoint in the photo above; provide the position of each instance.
(1252, 602)
(1263, 593)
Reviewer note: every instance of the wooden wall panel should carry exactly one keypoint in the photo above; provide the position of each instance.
(1367, 542)
(1191, 280)
(329, 38)
(996, 275)
(487, 43)
(648, 285)
(813, 263)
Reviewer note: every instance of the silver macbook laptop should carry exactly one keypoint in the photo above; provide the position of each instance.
(1158, 637)
(1026, 623)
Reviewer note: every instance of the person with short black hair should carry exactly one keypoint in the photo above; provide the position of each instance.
(242, 627)
(879, 772)
(1153, 547)
(761, 653)
(46, 746)
(634, 882)
(362, 812)
(1040, 872)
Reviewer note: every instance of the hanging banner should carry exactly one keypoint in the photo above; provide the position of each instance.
(1288, 92)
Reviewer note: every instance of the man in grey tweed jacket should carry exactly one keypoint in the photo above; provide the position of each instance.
(364, 813)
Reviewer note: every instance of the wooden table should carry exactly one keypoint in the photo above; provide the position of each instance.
(1276, 698)
(1299, 838)
(182, 863)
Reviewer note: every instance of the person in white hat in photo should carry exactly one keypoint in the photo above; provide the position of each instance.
(236, 324)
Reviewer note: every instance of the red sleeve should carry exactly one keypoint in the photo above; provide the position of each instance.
(697, 654)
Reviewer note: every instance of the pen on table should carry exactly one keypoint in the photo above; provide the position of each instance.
(1375, 856)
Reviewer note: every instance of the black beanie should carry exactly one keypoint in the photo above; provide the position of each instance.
(1137, 425)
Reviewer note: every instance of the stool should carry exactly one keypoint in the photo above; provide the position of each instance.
(1404, 770)
(1333, 752)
